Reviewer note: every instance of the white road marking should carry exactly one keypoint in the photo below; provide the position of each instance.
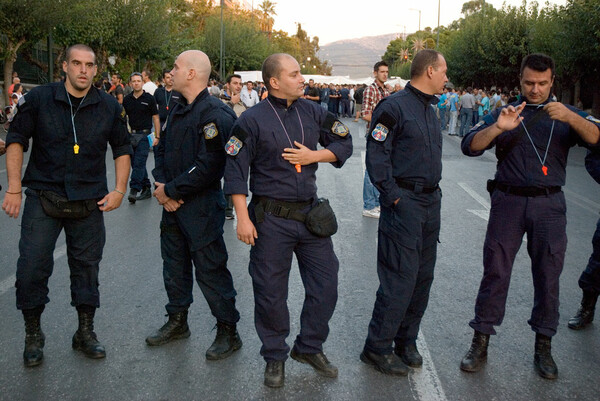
(425, 382)
(582, 201)
(9, 282)
(484, 214)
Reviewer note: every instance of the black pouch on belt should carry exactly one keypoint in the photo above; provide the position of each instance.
(58, 206)
(491, 186)
(320, 220)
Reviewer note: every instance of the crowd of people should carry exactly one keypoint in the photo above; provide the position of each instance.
(262, 140)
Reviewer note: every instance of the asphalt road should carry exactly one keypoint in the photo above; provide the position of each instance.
(133, 298)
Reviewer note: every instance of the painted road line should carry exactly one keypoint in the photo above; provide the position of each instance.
(9, 282)
(425, 381)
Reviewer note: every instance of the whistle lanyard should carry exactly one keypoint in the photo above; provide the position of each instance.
(76, 146)
(542, 161)
(168, 97)
(297, 166)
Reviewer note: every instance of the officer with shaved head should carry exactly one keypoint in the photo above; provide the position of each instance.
(190, 162)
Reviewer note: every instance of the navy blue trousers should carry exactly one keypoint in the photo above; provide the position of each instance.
(406, 255)
(589, 280)
(210, 264)
(139, 174)
(85, 240)
(543, 219)
(270, 264)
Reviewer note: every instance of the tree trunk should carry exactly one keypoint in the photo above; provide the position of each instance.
(577, 92)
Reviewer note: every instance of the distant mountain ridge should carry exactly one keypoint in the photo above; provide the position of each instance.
(356, 57)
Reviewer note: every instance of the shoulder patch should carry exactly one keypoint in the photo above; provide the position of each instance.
(380, 132)
(123, 113)
(589, 117)
(339, 129)
(210, 131)
(233, 146)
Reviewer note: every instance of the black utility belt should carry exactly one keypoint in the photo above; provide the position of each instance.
(320, 220)
(140, 131)
(521, 191)
(416, 187)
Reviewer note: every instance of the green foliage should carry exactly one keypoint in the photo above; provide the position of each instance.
(245, 45)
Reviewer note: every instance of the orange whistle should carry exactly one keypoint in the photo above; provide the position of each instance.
(298, 168)
(545, 170)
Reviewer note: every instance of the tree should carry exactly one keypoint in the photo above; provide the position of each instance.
(22, 23)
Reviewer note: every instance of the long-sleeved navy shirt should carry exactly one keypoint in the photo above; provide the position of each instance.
(404, 143)
(522, 167)
(263, 140)
(44, 115)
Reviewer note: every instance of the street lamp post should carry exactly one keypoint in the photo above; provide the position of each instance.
(222, 50)
(415, 9)
(437, 42)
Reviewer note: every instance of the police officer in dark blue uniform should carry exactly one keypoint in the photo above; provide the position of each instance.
(189, 166)
(166, 98)
(532, 142)
(589, 281)
(70, 123)
(277, 140)
(404, 162)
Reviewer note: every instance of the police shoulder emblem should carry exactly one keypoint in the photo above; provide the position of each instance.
(233, 146)
(380, 132)
(590, 118)
(210, 131)
(339, 129)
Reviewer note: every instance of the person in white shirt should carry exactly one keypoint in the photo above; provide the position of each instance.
(249, 95)
(148, 86)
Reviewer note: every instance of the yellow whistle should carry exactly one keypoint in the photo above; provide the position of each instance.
(76, 149)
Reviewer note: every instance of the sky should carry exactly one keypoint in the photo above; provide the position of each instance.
(333, 20)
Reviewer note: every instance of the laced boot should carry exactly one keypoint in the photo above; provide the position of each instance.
(476, 357)
(175, 328)
(33, 354)
(85, 339)
(585, 314)
(226, 342)
(544, 364)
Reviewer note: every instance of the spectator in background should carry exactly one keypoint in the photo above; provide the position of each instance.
(358, 99)
(324, 95)
(345, 101)
(149, 86)
(311, 92)
(15, 80)
(116, 88)
(249, 96)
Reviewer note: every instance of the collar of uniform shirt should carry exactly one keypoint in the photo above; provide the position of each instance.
(278, 102)
(183, 101)
(524, 99)
(423, 97)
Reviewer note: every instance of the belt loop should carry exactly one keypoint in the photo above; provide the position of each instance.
(418, 187)
(547, 190)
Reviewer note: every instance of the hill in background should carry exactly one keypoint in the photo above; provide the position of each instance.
(355, 57)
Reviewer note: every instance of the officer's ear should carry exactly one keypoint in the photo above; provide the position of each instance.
(191, 73)
(274, 83)
(64, 65)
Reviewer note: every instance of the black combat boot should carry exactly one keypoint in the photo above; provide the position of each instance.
(585, 314)
(543, 362)
(85, 339)
(174, 329)
(145, 194)
(476, 357)
(33, 354)
(409, 354)
(133, 193)
(226, 342)
(275, 374)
